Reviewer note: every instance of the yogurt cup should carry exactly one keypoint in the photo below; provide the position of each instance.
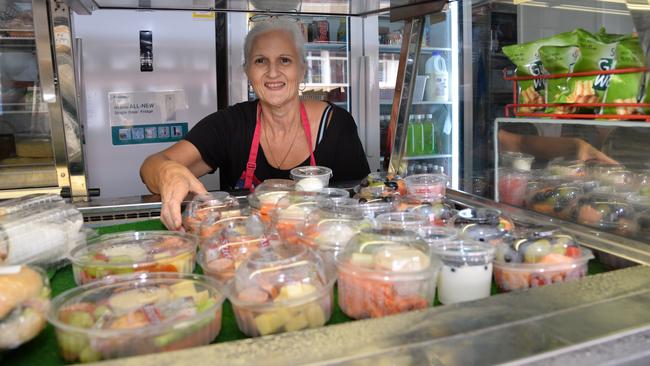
(311, 178)
(466, 272)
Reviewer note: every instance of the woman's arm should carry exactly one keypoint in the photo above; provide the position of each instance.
(173, 174)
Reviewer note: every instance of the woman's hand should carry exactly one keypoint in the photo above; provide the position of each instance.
(175, 182)
(584, 152)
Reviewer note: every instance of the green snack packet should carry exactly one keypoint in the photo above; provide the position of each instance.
(526, 58)
(558, 60)
(594, 56)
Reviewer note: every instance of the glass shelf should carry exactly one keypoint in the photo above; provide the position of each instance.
(423, 157)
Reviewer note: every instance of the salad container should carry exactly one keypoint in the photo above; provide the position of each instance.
(607, 213)
(427, 187)
(291, 211)
(564, 168)
(136, 314)
(378, 179)
(133, 251)
(438, 213)
(516, 160)
(204, 206)
(262, 201)
(311, 178)
(555, 200)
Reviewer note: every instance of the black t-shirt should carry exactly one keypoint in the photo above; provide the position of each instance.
(224, 140)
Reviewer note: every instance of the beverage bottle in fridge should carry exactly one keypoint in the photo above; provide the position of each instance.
(410, 136)
(341, 33)
(428, 135)
(437, 87)
(419, 135)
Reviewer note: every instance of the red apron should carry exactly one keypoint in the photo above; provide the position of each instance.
(248, 176)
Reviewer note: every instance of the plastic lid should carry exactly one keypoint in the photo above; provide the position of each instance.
(205, 207)
(331, 226)
(430, 186)
(482, 224)
(458, 252)
(381, 252)
(437, 212)
(269, 192)
(605, 211)
(302, 172)
(335, 193)
(402, 220)
(282, 275)
(295, 206)
(437, 234)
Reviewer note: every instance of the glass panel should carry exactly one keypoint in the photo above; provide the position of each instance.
(26, 154)
(326, 54)
(575, 145)
(429, 142)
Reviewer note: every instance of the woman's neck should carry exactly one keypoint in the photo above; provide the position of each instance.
(280, 118)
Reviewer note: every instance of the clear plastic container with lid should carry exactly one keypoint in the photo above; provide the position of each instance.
(311, 178)
(41, 235)
(385, 271)
(262, 201)
(555, 199)
(378, 179)
(282, 289)
(213, 222)
(133, 251)
(516, 160)
(606, 212)
(373, 193)
(330, 227)
(236, 240)
(204, 206)
(335, 194)
(430, 187)
(513, 186)
(291, 211)
(24, 301)
(402, 220)
(438, 213)
(539, 260)
(483, 224)
(567, 168)
(434, 235)
(466, 272)
(136, 314)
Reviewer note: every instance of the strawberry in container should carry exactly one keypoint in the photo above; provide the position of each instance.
(133, 251)
(206, 205)
(282, 288)
(539, 260)
(239, 237)
(513, 185)
(136, 314)
(483, 224)
(291, 211)
(385, 271)
(262, 201)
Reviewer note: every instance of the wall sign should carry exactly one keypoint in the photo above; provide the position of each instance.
(146, 117)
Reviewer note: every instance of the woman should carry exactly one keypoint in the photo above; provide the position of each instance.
(253, 141)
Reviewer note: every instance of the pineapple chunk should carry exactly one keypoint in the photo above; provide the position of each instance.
(315, 316)
(271, 322)
(298, 322)
(183, 289)
(296, 290)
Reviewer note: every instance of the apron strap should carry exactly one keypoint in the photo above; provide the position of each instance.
(249, 175)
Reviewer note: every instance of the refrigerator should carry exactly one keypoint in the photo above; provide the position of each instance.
(146, 78)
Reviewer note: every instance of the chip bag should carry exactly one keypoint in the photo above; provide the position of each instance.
(558, 60)
(526, 58)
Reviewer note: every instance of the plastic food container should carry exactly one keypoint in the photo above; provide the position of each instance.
(555, 200)
(466, 272)
(266, 195)
(133, 251)
(606, 213)
(335, 194)
(378, 179)
(429, 187)
(402, 220)
(539, 261)
(311, 178)
(237, 239)
(27, 202)
(24, 301)
(516, 160)
(513, 186)
(213, 223)
(438, 213)
(204, 206)
(483, 224)
(372, 209)
(41, 235)
(386, 271)
(374, 193)
(434, 235)
(136, 314)
(567, 168)
(329, 228)
(282, 289)
(291, 211)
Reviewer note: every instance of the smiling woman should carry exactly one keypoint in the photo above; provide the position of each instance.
(266, 138)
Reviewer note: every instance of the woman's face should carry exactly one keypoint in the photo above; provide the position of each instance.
(275, 70)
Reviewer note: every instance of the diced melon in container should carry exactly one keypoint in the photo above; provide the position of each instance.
(204, 206)
(263, 200)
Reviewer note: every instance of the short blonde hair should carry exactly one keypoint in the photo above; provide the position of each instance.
(290, 26)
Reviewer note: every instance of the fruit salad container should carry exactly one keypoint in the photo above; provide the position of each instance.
(379, 179)
(427, 187)
(372, 209)
(262, 201)
(133, 251)
(311, 178)
(206, 205)
(282, 289)
(466, 272)
(606, 213)
(402, 220)
(238, 238)
(377, 193)
(483, 224)
(136, 314)
(385, 271)
(434, 235)
(215, 221)
(335, 194)
(24, 301)
(291, 211)
(516, 160)
(555, 200)
(329, 228)
(439, 213)
(570, 168)
(513, 185)
(538, 261)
